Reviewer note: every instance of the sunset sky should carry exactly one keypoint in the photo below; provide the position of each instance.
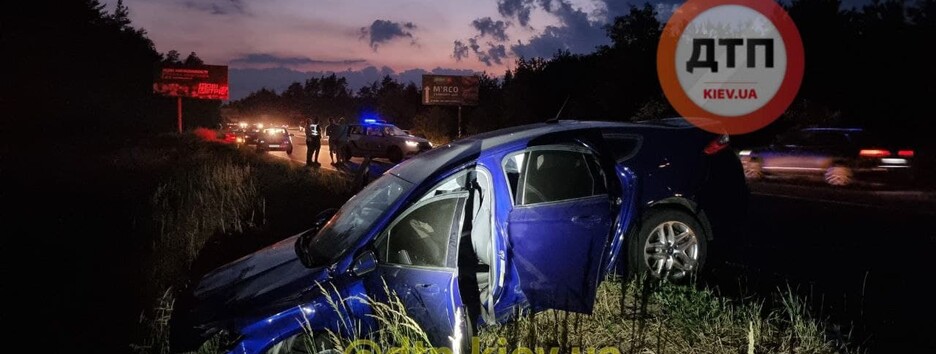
(271, 43)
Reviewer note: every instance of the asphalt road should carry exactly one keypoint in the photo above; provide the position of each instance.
(377, 167)
(861, 257)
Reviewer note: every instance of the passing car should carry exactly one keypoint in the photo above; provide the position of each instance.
(527, 218)
(275, 139)
(838, 156)
(378, 139)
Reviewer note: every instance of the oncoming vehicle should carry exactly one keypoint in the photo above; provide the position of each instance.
(526, 218)
(838, 156)
(275, 139)
(378, 139)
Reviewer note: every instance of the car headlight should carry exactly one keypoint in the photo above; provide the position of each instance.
(744, 153)
(411, 143)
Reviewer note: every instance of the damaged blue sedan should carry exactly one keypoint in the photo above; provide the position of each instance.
(522, 219)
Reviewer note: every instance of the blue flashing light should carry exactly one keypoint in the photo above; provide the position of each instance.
(370, 121)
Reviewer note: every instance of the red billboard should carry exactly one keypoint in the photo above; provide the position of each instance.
(450, 90)
(209, 82)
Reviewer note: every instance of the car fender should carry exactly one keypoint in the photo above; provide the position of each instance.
(339, 308)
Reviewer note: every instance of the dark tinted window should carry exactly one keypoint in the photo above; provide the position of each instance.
(622, 146)
(828, 138)
(421, 237)
(556, 175)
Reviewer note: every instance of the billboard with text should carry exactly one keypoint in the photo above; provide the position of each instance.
(450, 90)
(209, 82)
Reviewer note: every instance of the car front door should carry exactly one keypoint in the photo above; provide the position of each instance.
(559, 225)
(417, 255)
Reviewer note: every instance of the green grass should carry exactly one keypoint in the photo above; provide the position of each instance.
(202, 204)
(208, 203)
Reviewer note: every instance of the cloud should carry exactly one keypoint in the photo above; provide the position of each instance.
(488, 27)
(493, 54)
(263, 58)
(516, 8)
(575, 32)
(460, 52)
(217, 7)
(383, 31)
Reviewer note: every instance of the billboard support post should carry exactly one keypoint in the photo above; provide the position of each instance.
(179, 109)
(451, 90)
(204, 82)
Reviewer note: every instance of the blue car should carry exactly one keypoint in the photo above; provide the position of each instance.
(518, 220)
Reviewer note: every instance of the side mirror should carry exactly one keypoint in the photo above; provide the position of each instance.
(364, 263)
(305, 239)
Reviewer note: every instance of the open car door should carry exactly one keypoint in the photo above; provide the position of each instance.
(559, 225)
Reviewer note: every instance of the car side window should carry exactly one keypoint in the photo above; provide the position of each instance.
(623, 146)
(424, 234)
(356, 129)
(552, 175)
(374, 131)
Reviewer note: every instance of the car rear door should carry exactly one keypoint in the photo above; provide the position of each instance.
(559, 225)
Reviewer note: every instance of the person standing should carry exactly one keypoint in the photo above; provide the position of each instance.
(332, 140)
(313, 143)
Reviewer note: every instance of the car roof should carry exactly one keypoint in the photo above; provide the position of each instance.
(426, 164)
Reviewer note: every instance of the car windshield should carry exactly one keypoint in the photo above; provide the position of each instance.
(356, 218)
(392, 130)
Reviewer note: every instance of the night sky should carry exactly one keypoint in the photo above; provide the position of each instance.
(272, 43)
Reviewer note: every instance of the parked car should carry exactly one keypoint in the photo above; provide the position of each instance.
(524, 218)
(378, 139)
(839, 156)
(275, 139)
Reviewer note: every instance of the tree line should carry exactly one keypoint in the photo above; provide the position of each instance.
(865, 66)
(91, 70)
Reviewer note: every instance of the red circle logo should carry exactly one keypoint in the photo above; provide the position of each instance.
(730, 66)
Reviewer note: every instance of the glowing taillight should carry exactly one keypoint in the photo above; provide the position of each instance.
(719, 144)
(905, 153)
(874, 153)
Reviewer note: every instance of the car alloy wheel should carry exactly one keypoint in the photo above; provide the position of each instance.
(838, 176)
(670, 245)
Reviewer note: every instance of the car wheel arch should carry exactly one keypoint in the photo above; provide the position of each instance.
(682, 204)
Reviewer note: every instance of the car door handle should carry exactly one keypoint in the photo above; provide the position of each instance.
(587, 220)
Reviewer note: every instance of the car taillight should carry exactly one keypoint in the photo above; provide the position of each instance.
(719, 144)
(905, 153)
(873, 153)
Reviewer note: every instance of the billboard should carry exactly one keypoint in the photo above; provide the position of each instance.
(209, 82)
(450, 90)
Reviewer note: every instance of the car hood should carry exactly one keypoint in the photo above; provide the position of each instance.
(262, 283)
(411, 137)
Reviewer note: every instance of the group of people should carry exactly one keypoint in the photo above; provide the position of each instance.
(314, 134)
(332, 131)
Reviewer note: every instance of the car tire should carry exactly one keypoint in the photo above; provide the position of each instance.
(670, 244)
(838, 176)
(395, 154)
(754, 170)
(289, 150)
(346, 153)
(260, 149)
